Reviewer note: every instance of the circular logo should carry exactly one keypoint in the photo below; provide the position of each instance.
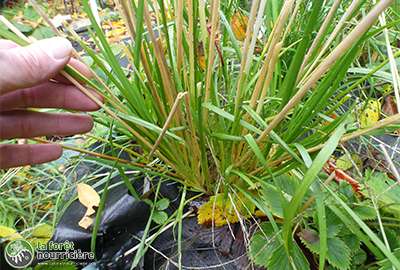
(19, 253)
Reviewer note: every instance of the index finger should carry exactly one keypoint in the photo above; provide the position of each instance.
(7, 44)
(24, 67)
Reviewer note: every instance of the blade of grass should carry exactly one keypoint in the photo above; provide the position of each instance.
(308, 179)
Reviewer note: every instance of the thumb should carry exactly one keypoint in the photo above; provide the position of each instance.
(28, 66)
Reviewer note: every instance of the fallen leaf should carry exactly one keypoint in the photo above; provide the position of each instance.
(116, 33)
(340, 175)
(370, 114)
(239, 24)
(89, 212)
(9, 233)
(85, 222)
(89, 198)
(87, 195)
(221, 210)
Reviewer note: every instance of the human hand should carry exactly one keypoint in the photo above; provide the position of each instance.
(25, 74)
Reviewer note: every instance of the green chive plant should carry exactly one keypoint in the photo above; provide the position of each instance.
(246, 115)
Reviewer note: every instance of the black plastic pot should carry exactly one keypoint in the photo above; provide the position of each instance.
(123, 221)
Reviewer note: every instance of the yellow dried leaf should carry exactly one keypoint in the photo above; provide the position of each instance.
(118, 24)
(345, 162)
(85, 222)
(9, 233)
(222, 211)
(201, 59)
(116, 33)
(371, 113)
(43, 231)
(41, 235)
(87, 195)
(89, 198)
(202, 62)
(239, 24)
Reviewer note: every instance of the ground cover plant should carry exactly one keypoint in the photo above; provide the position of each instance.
(245, 103)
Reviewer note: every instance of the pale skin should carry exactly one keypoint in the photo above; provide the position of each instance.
(29, 78)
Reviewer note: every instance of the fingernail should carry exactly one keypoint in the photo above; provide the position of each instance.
(59, 48)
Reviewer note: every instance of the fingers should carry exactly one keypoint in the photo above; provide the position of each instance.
(48, 95)
(7, 44)
(25, 154)
(79, 66)
(28, 66)
(28, 124)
